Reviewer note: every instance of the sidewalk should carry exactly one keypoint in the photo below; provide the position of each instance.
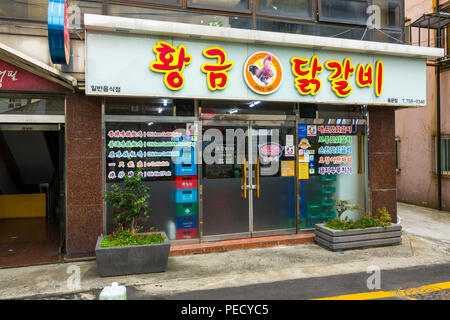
(244, 267)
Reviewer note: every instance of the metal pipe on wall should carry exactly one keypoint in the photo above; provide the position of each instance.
(438, 117)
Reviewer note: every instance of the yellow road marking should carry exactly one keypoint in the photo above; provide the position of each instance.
(388, 294)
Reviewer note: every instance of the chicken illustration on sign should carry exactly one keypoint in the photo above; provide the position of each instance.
(263, 73)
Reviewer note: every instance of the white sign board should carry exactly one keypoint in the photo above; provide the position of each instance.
(138, 66)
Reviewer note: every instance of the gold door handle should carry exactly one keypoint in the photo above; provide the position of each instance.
(257, 177)
(244, 178)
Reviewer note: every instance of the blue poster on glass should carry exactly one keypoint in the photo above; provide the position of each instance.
(302, 130)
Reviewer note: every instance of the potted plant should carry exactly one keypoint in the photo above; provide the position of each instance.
(126, 250)
(339, 234)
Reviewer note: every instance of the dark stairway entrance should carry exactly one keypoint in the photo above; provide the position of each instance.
(31, 194)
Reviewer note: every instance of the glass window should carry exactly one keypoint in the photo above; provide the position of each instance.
(37, 10)
(387, 36)
(278, 26)
(356, 33)
(179, 16)
(391, 13)
(345, 11)
(150, 107)
(77, 10)
(24, 9)
(167, 2)
(37, 106)
(220, 4)
(445, 155)
(300, 9)
(332, 170)
(166, 154)
(246, 107)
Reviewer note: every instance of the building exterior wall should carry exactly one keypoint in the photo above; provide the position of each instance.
(382, 183)
(416, 181)
(84, 147)
(84, 178)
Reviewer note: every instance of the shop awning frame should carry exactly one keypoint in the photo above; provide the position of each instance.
(436, 20)
(104, 23)
(37, 67)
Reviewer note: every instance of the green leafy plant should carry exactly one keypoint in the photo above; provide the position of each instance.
(215, 23)
(383, 217)
(131, 202)
(125, 237)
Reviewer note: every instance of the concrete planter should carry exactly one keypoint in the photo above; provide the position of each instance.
(115, 261)
(357, 238)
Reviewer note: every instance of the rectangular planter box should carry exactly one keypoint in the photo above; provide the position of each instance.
(148, 258)
(357, 238)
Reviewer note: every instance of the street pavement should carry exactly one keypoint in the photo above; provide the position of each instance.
(397, 281)
(304, 271)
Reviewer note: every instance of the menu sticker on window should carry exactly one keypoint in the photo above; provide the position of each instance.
(287, 168)
(303, 171)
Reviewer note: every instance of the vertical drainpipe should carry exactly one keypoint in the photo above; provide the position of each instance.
(438, 117)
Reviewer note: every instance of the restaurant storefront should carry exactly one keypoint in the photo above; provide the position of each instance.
(244, 133)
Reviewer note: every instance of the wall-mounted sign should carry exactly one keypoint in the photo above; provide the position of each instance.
(59, 31)
(202, 69)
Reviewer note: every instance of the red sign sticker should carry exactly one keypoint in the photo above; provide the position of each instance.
(270, 150)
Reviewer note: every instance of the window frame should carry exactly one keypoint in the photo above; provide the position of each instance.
(162, 3)
(434, 142)
(189, 4)
(320, 17)
(285, 18)
(401, 18)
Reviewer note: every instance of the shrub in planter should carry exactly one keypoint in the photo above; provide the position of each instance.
(126, 251)
(338, 234)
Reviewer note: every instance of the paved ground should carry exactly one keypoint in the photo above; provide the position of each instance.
(241, 268)
(428, 224)
(322, 287)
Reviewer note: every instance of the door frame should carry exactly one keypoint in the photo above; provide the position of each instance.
(248, 121)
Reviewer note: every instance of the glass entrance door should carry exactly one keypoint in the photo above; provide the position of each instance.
(224, 179)
(248, 178)
(274, 176)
